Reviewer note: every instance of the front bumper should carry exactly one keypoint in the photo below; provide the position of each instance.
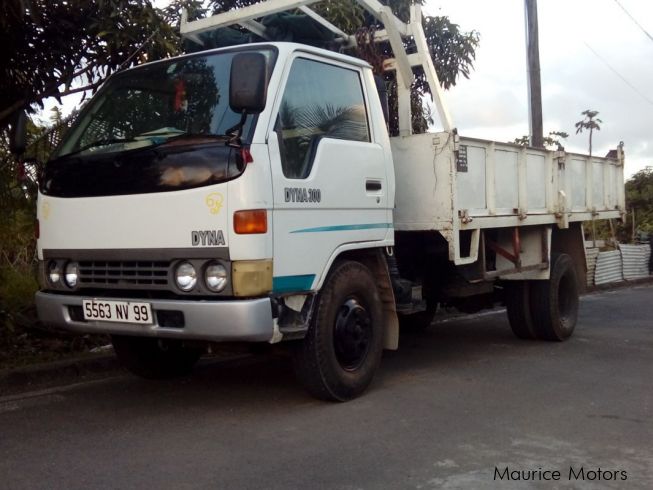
(219, 321)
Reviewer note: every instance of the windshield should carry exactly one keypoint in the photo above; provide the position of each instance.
(150, 104)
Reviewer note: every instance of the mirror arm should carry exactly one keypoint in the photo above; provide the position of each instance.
(18, 134)
(235, 133)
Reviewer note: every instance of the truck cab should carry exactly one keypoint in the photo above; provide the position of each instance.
(170, 212)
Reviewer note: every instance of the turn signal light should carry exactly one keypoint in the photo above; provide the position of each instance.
(251, 221)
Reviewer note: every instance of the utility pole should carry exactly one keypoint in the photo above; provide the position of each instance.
(534, 82)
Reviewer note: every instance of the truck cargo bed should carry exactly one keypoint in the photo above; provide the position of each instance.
(451, 184)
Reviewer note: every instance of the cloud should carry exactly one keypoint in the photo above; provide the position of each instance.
(493, 103)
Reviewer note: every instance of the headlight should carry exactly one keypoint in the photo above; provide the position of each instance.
(54, 272)
(215, 277)
(71, 274)
(186, 276)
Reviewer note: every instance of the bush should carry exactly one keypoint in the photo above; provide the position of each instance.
(17, 289)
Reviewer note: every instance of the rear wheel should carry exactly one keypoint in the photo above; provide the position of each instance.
(554, 303)
(517, 299)
(155, 358)
(342, 349)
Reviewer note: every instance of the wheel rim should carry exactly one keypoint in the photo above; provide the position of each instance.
(352, 334)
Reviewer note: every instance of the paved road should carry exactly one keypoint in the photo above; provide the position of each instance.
(447, 408)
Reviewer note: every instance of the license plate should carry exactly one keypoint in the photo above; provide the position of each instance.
(117, 311)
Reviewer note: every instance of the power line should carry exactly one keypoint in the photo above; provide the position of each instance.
(616, 72)
(634, 20)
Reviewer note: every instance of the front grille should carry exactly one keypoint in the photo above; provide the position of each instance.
(124, 274)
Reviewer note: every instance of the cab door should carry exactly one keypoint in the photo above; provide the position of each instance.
(329, 177)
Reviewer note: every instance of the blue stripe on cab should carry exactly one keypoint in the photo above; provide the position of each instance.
(286, 284)
(366, 226)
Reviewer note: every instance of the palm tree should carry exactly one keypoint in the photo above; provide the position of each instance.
(589, 123)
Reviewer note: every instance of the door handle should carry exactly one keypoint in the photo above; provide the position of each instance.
(373, 185)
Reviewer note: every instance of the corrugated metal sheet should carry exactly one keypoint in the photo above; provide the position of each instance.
(635, 260)
(591, 254)
(608, 268)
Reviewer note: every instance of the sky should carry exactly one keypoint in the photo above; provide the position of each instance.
(582, 44)
(577, 39)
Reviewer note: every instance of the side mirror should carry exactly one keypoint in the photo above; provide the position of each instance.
(18, 135)
(248, 85)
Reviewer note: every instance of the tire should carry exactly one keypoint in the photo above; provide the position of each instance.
(341, 352)
(554, 303)
(517, 299)
(154, 358)
(417, 322)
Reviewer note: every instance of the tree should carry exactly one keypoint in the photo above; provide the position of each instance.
(639, 196)
(639, 205)
(551, 142)
(61, 47)
(590, 124)
(58, 47)
(452, 50)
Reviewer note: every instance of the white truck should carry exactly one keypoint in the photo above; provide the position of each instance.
(253, 194)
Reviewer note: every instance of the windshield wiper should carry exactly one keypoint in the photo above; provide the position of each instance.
(98, 143)
(153, 138)
(198, 135)
(194, 136)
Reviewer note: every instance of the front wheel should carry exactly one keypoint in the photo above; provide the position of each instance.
(342, 349)
(155, 358)
(554, 303)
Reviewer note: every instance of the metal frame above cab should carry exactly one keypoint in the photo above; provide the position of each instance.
(394, 32)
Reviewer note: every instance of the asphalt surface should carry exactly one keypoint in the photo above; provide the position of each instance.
(446, 409)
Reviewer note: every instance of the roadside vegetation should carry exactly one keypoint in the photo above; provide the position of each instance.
(22, 339)
(638, 225)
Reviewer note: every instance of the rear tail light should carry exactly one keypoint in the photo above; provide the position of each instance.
(37, 229)
(251, 221)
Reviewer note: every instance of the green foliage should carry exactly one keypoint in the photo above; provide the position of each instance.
(22, 338)
(551, 142)
(345, 14)
(57, 42)
(589, 123)
(51, 43)
(17, 246)
(17, 288)
(453, 54)
(452, 50)
(17, 243)
(639, 196)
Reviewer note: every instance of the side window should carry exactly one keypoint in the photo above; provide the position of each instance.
(320, 101)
